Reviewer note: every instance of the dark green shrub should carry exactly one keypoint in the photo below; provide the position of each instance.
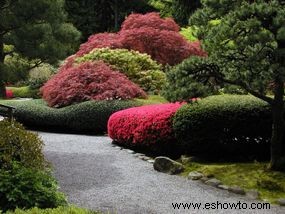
(138, 67)
(89, 116)
(17, 144)
(225, 126)
(25, 188)
(181, 84)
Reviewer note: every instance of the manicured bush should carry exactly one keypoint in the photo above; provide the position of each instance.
(17, 144)
(22, 187)
(89, 81)
(181, 84)
(225, 126)
(149, 34)
(145, 126)
(85, 117)
(139, 68)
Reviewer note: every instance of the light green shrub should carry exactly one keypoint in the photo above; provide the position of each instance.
(139, 68)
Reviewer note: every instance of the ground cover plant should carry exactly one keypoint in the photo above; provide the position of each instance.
(89, 81)
(146, 126)
(225, 127)
(249, 176)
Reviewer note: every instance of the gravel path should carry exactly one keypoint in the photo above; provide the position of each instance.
(97, 176)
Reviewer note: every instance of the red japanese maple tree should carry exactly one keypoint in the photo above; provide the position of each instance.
(89, 81)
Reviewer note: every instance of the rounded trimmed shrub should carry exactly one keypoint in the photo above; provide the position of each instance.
(85, 117)
(139, 68)
(144, 126)
(225, 126)
(17, 144)
(89, 81)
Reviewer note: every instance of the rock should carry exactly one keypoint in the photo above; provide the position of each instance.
(166, 165)
(224, 187)
(213, 182)
(138, 154)
(150, 161)
(187, 159)
(236, 190)
(195, 175)
(252, 194)
(204, 179)
(281, 201)
(129, 151)
(145, 158)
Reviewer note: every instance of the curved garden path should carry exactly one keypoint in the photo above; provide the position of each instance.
(95, 175)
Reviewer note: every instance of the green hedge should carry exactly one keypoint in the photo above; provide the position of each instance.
(225, 126)
(90, 116)
(24, 92)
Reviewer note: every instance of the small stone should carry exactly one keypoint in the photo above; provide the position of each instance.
(138, 154)
(195, 175)
(129, 151)
(145, 158)
(224, 187)
(236, 190)
(166, 165)
(252, 194)
(204, 179)
(150, 161)
(281, 201)
(213, 182)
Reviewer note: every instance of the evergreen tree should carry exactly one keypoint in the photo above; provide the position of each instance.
(36, 29)
(247, 48)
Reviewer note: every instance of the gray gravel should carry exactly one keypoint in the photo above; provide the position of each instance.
(95, 175)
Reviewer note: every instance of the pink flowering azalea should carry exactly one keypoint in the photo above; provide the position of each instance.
(9, 94)
(143, 125)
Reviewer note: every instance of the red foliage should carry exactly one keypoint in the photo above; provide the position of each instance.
(152, 20)
(147, 34)
(89, 81)
(100, 40)
(9, 94)
(146, 125)
(166, 47)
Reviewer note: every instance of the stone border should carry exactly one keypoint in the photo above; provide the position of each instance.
(198, 176)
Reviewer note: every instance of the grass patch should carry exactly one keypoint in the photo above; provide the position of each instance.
(59, 210)
(271, 185)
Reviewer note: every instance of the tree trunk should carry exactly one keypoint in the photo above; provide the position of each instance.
(277, 145)
(2, 56)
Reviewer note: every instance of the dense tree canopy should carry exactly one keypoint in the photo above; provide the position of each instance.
(246, 48)
(35, 29)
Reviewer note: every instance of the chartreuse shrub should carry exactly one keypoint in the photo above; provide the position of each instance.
(225, 126)
(145, 126)
(139, 68)
(59, 210)
(17, 144)
(89, 116)
(181, 84)
(25, 180)
(24, 92)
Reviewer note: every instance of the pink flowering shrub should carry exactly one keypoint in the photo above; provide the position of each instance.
(9, 94)
(89, 81)
(145, 125)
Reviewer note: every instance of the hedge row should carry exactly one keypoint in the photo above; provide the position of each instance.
(89, 116)
(225, 125)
